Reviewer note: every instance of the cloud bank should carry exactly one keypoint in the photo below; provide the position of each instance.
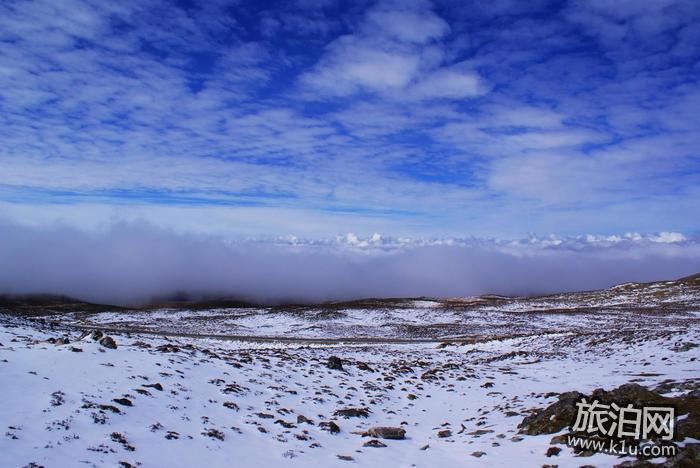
(135, 263)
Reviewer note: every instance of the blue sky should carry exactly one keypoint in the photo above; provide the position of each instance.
(314, 118)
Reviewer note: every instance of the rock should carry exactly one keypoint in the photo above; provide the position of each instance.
(411, 396)
(335, 363)
(444, 433)
(156, 386)
(552, 451)
(374, 443)
(352, 413)
(329, 426)
(345, 457)
(108, 342)
(478, 454)
(61, 341)
(231, 405)
(425, 447)
(76, 350)
(301, 419)
(167, 348)
(123, 401)
(214, 434)
(386, 432)
(96, 335)
(285, 424)
(364, 367)
(553, 418)
(687, 346)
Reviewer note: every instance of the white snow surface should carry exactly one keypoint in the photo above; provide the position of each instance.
(49, 396)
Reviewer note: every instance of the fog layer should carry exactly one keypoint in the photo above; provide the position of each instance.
(134, 264)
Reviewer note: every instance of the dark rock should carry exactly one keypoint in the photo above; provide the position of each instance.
(352, 413)
(329, 426)
(167, 348)
(687, 346)
(108, 342)
(231, 405)
(386, 432)
(123, 401)
(552, 451)
(374, 443)
(285, 424)
(444, 433)
(345, 457)
(364, 367)
(553, 418)
(155, 386)
(214, 434)
(478, 454)
(76, 350)
(96, 335)
(335, 363)
(303, 419)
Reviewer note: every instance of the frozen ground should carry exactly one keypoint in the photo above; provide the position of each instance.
(161, 400)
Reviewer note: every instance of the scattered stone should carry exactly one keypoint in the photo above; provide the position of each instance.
(167, 348)
(364, 367)
(108, 342)
(411, 396)
(76, 350)
(335, 363)
(155, 386)
(301, 419)
(329, 426)
(96, 335)
(352, 413)
(386, 432)
(285, 424)
(345, 457)
(123, 401)
(552, 451)
(478, 454)
(444, 433)
(374, 443)
(687, 346)
(214, 434)
(231, 405)
(119, 438)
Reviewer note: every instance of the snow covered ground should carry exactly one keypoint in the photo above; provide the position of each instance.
(157, 400)
(228, 403)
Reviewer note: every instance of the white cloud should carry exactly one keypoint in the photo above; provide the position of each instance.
(393, 52)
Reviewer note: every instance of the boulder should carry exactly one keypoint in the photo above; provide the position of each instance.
(335, 363)
(386, 432)
(108, 342)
